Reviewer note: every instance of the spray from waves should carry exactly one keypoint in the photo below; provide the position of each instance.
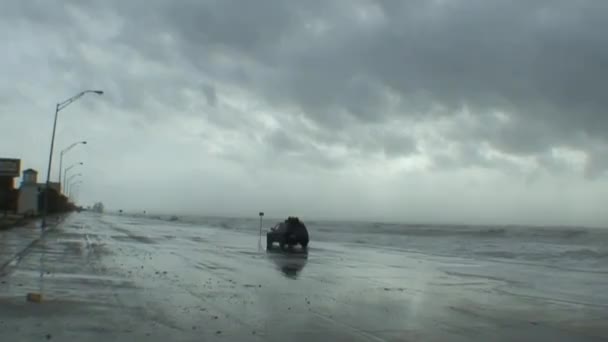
(486, 232)
(585, 253)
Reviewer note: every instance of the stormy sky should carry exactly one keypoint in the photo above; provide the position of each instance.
(455, 111)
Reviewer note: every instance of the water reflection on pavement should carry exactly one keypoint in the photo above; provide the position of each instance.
(289, 262)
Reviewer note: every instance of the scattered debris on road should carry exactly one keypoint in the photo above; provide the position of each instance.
(34, 297)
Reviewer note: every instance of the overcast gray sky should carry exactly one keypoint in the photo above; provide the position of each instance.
(463, 111)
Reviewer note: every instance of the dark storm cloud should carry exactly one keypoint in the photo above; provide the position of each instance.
(544, 64)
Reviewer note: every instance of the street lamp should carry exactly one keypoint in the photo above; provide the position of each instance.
(58, 107)
(69, 185)
(70, 179)
(74, 192)
(64, 151)
(65, 173)
(72, 189)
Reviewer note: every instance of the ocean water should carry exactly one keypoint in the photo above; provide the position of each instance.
(575, 248)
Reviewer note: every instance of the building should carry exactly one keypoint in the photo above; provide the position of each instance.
(29, 192)
(9, 170)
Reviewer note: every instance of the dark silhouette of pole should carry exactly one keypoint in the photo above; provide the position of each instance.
(64, 151)
(261, 217)
(48, 171)
(59, 107)
(260, 239)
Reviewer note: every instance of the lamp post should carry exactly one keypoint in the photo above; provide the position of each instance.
(58, 107)
(75, 192)
(69, 185)
(72, 188)
(64, 151)
(260, 240)
(65, 173)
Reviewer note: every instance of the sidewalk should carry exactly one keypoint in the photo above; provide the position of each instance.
(7, 221)
(15, 241)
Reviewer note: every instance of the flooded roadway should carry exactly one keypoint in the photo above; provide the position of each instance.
(122, 279)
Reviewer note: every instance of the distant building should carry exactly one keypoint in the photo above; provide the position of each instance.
(28, 193)
(30, 200)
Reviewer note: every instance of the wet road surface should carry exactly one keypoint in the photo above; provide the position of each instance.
(123, 279)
